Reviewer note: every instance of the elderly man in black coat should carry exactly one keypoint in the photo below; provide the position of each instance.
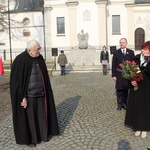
(34, 113)
(122, 85)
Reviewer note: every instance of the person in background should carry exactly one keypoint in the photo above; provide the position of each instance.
(122, 85)
(1, 67)
(62, 61)
(104, 59)
(138, 107)
(34, 113)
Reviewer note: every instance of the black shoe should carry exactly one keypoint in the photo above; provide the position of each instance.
(119, 108)
(32, 145)
(124, 107)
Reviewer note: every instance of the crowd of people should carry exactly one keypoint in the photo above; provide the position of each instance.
(33, 106)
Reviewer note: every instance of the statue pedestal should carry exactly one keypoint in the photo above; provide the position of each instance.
(82, 57)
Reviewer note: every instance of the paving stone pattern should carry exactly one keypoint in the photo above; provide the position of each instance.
(87, 115)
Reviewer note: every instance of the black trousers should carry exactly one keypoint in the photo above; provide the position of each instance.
(37, 119)
(122, 96)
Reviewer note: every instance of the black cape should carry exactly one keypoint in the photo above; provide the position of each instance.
(20, 73)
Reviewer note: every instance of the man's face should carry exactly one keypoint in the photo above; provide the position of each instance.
(123, 43)
(35, 51)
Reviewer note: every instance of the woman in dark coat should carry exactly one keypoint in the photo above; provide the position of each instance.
(104, 59)
(138, 107)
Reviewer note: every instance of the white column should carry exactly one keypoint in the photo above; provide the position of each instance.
(47, 15)
(72, 22)
(102, 22)
(130, 25)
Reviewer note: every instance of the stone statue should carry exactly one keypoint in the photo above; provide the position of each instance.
(83, 40)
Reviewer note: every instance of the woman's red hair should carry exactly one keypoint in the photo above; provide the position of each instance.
(146, 45)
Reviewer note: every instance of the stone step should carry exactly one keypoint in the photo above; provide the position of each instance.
(79, 69)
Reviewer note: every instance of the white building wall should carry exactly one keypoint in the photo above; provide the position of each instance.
(18, 41)
(87, 19)
(59, 40)
(86, 13)
(35, 27)
(116, 9)
(142, 20)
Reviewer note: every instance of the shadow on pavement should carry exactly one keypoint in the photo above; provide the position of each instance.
(124, 145)
(65, 111)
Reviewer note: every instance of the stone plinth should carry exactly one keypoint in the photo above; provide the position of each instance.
(86, 56)
(81, 57)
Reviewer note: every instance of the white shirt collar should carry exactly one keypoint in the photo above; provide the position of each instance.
(124, 50)
(142, 59)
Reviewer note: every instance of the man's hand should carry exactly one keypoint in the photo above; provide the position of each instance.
(24, 103)
(114, 78)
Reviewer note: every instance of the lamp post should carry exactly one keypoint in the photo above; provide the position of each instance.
(44, 32)
(9, 34)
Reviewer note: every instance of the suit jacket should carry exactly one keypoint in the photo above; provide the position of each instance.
(118, 58)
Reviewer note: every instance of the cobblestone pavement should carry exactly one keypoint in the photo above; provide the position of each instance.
(87, 115)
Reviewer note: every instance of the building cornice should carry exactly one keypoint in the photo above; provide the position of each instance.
(137, 5)
(99, 2)
(48, 8)
(130, 5)
(72, 4)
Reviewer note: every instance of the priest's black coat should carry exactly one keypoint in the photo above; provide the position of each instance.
(20, 73)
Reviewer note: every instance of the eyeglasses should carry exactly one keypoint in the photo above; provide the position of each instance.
(38, 49)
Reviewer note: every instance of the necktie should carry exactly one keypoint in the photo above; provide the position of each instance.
(124, 52)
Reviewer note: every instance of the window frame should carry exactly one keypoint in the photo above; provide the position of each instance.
(114, 27)
(139, 36)
(60, 22)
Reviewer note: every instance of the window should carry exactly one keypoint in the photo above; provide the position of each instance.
(139, 38)
(60, 25)
(115, 24)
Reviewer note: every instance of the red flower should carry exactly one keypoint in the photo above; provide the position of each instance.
(131, 71)
(133, 63)
(120, 65)
(128, 61)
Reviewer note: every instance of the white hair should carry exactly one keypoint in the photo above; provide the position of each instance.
(31, 44)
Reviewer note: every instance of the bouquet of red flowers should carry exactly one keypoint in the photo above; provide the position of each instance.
(131, 71)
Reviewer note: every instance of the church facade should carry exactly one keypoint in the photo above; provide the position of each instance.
(57, 25)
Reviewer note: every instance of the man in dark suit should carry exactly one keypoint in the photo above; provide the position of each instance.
(122, 85)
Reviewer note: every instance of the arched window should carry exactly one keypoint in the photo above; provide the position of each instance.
(139, 38)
